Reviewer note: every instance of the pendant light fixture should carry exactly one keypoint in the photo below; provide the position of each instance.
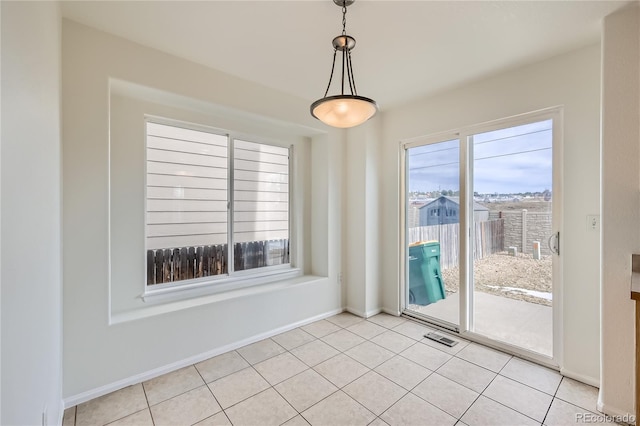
(344, 110)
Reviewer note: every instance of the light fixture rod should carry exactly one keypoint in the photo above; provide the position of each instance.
(344, 55)
(333, 65)
(352, 80)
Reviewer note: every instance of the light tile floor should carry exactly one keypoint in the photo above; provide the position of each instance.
(349, 371)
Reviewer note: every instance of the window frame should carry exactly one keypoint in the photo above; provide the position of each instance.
(233, 279)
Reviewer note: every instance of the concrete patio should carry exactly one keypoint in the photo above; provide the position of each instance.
(524, 324)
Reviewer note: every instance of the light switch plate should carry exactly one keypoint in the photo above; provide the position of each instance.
(593, 222)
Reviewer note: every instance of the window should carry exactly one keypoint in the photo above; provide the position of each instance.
(199, 203)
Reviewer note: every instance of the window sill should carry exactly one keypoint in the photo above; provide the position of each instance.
(175, 298)
(217, 285)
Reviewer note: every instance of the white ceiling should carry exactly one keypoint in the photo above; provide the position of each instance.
(405, 49)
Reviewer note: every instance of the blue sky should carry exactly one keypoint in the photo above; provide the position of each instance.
(512, 160)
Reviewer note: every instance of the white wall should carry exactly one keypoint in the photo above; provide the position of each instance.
(571, 80)
(0, 215)
(31, 207)
(362, 239)
(620, 205)
(99, 356)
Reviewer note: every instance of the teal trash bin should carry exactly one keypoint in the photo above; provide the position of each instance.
(425, 278)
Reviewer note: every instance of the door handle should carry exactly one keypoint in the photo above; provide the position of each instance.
(555, 248)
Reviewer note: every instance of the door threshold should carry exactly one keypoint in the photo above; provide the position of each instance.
(432, 322)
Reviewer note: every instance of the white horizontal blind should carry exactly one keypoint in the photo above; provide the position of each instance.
(187, 187)
(261, 200)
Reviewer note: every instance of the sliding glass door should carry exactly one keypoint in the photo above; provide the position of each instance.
(481, 234)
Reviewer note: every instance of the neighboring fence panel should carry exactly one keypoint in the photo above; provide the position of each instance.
(488, 239)
(184, 263)
(258, 254)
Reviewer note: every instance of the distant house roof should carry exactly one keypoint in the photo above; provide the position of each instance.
(456, 200)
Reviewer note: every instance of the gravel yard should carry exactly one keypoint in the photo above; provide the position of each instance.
(517, 277)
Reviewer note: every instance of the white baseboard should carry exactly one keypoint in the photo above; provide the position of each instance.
(367, 314)
(394, 312)
(373, 312)
(580, 377)
(148, 375)
(356, 312)
(60, 412)
(618, 415)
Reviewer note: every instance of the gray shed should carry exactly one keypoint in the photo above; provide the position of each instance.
(444, 210)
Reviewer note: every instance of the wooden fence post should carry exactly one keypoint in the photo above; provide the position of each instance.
(524, 231)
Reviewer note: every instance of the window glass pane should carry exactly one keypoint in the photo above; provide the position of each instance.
(512, 271)
(433, 231)
(186, 204)
(261, 205)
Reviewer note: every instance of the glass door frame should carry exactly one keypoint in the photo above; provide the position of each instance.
(466, 222)
(404, 224)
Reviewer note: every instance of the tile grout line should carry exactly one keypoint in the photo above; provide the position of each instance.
(357, 402)
(529, 386)
(146, 398)
(506, 377)
(504, 405)
(339, 389)
(373, 370)
(454, 381)
(348, 383)
(553, 399)
(178, 394)
(250, 396)
(274, 386)
(308, 368)
(259, 341)
(419, 397)
(185, 392)
(569, 402)
(127, 415)
(135, 412)
(321, 362)
(485, 388)
(214, 397)
(513, 409)
(225, 375)
(302, 372)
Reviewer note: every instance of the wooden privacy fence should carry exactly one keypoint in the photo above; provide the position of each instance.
(185, 263)
(488, 239)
